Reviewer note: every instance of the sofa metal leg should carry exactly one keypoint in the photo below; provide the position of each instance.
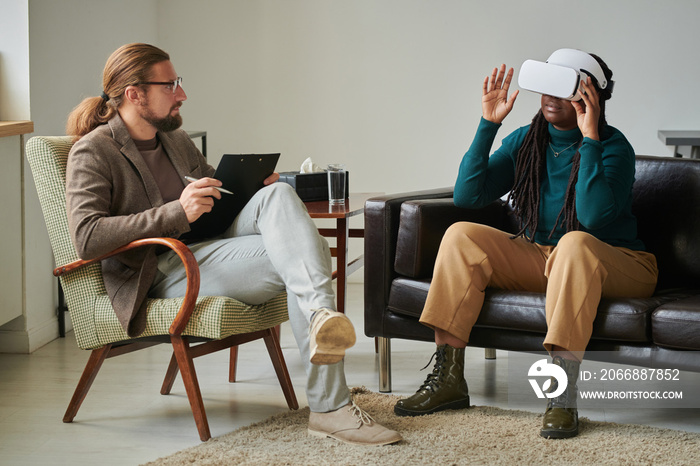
(490, 353)
(384, 364)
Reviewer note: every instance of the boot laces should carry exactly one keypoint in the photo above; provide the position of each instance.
(362, 416)
(568, 398)
(560, 401)
(431, 382)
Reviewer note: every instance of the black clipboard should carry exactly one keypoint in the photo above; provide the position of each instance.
(243, 175)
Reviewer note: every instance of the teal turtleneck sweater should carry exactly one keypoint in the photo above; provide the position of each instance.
(603, 189)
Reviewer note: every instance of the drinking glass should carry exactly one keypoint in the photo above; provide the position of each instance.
(336, 183)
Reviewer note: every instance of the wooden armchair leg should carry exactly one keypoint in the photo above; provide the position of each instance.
(97, 357)
(181, 348)
(273, 347)
(233, 359)
(232, 364)
(170, 376)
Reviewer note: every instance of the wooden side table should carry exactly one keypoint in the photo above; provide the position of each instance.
(354, 205)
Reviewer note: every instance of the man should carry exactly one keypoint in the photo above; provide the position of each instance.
(126, 180)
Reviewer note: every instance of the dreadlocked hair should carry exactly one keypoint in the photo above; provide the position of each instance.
(531, 164)
(529, 167)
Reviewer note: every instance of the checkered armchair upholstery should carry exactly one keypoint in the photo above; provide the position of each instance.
(94, 321)
(217, 322)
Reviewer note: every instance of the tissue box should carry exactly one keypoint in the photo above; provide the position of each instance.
(311, 186)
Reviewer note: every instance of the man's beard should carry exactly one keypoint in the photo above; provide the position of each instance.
(164, 125)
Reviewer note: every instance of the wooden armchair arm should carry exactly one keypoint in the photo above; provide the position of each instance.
(185, 255)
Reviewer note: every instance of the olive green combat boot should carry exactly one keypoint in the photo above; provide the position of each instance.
(445, 387)
(561, 418)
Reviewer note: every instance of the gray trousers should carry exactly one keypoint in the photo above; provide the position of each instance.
(272, 246)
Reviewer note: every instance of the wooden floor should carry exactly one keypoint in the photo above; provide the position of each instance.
(125, 421)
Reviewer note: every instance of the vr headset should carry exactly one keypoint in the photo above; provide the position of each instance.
(561, 74)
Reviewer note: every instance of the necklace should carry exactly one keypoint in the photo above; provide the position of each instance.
(556, 154)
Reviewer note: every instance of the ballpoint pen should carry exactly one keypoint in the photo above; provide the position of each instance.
(192, 180)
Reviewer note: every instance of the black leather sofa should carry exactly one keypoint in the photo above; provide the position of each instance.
(403, 232)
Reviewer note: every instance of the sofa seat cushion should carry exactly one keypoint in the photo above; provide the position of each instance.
(677, 324)
(618, 319)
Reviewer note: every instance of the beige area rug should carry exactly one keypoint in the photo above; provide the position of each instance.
(478, 435)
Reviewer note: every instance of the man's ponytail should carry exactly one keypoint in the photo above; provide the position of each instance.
(129, 65)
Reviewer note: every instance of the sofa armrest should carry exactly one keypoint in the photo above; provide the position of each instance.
(381, 230)
(423, 223)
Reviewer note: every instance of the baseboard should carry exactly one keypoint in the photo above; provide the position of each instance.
(24, 342)
(14, 342)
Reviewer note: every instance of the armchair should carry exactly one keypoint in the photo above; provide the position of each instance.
(194, 325)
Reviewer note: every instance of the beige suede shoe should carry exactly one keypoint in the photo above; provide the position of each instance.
(350, 424)
(331, 334)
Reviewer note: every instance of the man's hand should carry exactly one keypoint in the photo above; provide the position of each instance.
(271, 179)
(495, 103)
(198, 197)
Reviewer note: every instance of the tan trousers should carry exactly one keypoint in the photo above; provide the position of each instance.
(574, 275)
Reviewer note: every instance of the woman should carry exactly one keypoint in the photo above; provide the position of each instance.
(570, 179)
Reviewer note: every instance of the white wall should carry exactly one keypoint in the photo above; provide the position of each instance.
(14, 60)
(14, 105)
(392, 87)
(70, 41)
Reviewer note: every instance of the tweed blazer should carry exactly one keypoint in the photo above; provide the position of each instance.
(113, 199)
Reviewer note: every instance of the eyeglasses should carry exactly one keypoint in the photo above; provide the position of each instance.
(169, 85)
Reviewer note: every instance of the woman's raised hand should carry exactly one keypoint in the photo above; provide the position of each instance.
(495, 103)
(588, 109)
